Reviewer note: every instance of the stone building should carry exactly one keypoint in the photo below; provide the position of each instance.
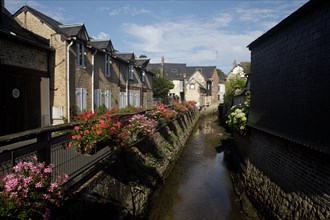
(71, 87)
(286, 171)
(202, 85)
(88, 73)
(25, 64)
(191, 83)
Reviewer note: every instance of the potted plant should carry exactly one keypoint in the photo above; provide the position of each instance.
(29, 192)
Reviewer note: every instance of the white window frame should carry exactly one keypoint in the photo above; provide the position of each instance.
(192, 86)
(107, 98)
(81, 96)
(80, 54)
(107, 65)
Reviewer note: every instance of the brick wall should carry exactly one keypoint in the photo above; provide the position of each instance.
(284, 180)
(23, 55)
(290, 77)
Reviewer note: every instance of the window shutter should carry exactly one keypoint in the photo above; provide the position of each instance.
(131, 71)
(84, 96)
(122, 100)
(81, 94)
(79, 100)
(108, 99)
(97, 97)
(143, 75)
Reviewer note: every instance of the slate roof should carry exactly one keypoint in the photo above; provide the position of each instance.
(142, 62)
(12, 28)
(174, 71)
(102, 44)
(206, 71)
(125, 56)
(71, 30)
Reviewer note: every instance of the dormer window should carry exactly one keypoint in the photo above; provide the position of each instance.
(80, 54)
(107, 65)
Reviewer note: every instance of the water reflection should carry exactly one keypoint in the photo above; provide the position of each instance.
(199, 186)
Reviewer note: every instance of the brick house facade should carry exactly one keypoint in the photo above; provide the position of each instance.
(88, 73)
(25, 61)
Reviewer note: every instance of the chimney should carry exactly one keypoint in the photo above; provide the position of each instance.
(162, 66)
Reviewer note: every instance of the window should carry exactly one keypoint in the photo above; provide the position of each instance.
(143, 76)
(107, 99)
(81, 94)
(131, 72)
(192, 86)
(174, 71)
(80, 54)
(97, 98)
(107, 65)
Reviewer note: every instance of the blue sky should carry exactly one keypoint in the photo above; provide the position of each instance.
(204, 33)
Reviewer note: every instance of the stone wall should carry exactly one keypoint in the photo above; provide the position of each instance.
(283, 180)
(124, 187)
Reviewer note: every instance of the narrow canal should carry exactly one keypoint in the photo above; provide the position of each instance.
(199, 186)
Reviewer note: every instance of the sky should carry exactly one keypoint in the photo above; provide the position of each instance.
(195, 32)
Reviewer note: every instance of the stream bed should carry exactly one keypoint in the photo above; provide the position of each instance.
(199, 186)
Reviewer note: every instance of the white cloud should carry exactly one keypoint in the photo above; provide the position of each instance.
(191, 41)
(102, 36)
(127, 10)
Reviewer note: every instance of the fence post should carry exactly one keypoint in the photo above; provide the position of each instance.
(43, 154)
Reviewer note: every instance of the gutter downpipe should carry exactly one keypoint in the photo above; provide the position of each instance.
(127, 97)
(93, 77)
(68, 77)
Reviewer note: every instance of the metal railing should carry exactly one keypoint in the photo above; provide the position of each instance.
(49, 145)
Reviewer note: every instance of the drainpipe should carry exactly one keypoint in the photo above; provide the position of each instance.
(127, 98)
(68, 77)
(93, 71)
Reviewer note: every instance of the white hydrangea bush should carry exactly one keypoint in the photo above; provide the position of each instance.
(237, 117)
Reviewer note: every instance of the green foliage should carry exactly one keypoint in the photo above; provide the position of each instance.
(231, 84)
(161, 86)
(237, 117)
(221, 74)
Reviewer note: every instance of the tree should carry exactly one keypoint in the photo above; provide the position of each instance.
(143, 56)
(161, 86)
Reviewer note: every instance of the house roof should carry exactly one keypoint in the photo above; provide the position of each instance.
(206, 71)
(71, 30)
(12, 28)
(142, 62)
(48, 20)
(102, 44)
(125, 56)
(174, 71)
(309, 6)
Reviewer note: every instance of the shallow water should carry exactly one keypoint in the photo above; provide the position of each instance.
(199, 186)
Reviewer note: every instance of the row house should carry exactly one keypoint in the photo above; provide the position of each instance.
(25, 61)
(191, 83)
(88, 73)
